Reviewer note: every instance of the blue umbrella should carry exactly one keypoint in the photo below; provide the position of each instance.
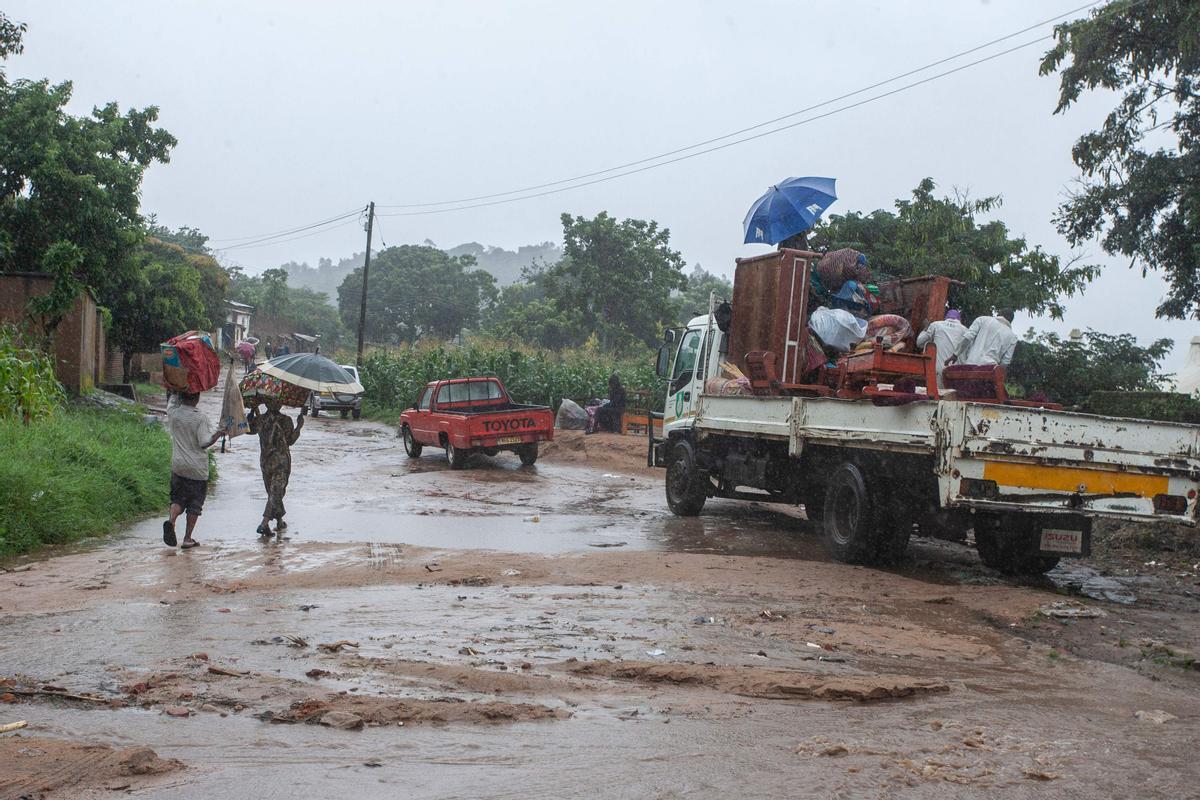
(789, 207)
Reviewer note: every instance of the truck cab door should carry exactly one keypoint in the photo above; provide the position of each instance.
(420, 420)
(683, 391)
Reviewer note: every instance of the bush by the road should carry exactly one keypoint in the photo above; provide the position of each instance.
(392, 378)
(79, 473)
(28, 389)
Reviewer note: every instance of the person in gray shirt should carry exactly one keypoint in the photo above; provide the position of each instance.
(191, 435)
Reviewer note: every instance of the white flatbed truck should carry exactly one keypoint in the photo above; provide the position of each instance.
(1028, 481)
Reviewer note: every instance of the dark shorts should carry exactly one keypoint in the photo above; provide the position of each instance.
(188, 493)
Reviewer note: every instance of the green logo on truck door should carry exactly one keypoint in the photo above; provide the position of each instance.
(679, 404)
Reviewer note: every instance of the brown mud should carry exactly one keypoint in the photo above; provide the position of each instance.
(504, 631)
(35, 766)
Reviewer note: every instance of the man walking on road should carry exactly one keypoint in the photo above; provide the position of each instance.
(276, 435)
(191, 435)
(989, 340)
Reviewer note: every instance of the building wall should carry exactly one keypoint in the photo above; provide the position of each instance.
(79, 339)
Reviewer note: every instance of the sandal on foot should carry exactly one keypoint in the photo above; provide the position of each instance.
(188, 544)
(263, 530)
(169, 534)
(280, 525)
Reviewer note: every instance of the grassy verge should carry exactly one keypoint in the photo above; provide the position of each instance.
(377, 412)
(149, 390)
(78, 473)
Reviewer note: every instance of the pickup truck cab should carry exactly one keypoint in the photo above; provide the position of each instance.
(474, 415)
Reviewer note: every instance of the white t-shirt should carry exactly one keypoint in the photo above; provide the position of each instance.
(989, 340)
(946, 335)
(190, 431)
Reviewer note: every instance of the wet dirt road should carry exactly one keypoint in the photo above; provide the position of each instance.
(553, 631)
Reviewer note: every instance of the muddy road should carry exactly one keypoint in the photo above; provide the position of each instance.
(553, 631)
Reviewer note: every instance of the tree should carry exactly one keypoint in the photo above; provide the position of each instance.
(1145, 201)
(311, 312)
(693, 300)
(273, 300)
(1068, 371)
(161, 295)
(619, 275)
(523, 313)
(415, 291)
(69, 186)
(942, 236)
(190, 239)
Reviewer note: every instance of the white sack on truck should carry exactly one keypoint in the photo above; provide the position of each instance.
(837, 328)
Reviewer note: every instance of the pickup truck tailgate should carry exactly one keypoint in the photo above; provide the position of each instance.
(531, 424)
(1003, 456)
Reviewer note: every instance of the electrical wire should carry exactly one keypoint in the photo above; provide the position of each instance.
(724, 146)
(764, 124)
(264, 236)
(254, 245)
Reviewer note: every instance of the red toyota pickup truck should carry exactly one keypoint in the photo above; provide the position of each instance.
(470, 415)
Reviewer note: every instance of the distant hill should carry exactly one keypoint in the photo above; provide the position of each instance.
(504, 265)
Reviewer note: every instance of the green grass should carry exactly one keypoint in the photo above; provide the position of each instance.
(79, 473)
(149, 390)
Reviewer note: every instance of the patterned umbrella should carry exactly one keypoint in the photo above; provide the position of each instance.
(312, 371)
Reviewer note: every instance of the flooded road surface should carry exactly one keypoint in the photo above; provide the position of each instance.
(553, 631)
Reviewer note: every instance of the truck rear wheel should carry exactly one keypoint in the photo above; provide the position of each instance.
(457, 456)
(685, 482)
(849, 516)
(1009, 543)
(410, 444)
(528, 453)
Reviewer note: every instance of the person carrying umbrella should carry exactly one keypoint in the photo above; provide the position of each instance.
(276, 435)
(286, 380)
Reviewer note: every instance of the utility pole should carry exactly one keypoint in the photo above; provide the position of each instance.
(362, 311)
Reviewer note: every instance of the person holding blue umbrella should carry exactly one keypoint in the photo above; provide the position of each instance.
(788, 210)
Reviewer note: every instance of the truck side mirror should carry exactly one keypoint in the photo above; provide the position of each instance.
(662, 365)
(669, 336)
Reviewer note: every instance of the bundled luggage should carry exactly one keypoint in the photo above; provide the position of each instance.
(190, 363)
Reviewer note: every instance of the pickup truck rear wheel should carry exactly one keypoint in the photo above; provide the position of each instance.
(410, 444)
(528, 453)
(685, 482)
(850, 517)
(1009, 543)
(356, 413)
(457, 456)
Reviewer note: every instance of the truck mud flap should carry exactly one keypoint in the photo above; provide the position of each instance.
(1062, 535)
(655, 446)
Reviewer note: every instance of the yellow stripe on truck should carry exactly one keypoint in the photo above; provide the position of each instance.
(1067, 479)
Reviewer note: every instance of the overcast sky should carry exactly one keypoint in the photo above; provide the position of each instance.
(289, 113)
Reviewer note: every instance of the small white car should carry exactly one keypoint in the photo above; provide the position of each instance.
(348, 404)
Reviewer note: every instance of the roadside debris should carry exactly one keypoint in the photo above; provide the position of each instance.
(1158, 716)
(13, 726)
(820, 628)
(607, 544)
(334, 647)
(772, 616)
(656, 653)
(227, 672)
(1063, 609)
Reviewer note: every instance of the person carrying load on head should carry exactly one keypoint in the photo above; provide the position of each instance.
(276, 435)
(989, 340)
(946, 335)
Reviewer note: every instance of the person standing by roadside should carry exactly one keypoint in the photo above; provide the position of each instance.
(191, 436)
(276, 435)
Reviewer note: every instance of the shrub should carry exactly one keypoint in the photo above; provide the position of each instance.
(393, 378)
(28, 389)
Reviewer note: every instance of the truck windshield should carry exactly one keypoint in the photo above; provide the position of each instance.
(468, 391)
(423, 403)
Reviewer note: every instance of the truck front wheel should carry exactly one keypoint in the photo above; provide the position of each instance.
(457, 456)
(1009, 543)
(410, 444)
(685, 483)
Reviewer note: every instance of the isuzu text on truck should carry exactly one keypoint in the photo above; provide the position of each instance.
(874, 450)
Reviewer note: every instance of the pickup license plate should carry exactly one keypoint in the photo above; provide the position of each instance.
(1056, 540)
(509, 440)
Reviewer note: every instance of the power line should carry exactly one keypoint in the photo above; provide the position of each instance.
(243, 240)
(764, 124)
(726, 144)
(254, 245)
